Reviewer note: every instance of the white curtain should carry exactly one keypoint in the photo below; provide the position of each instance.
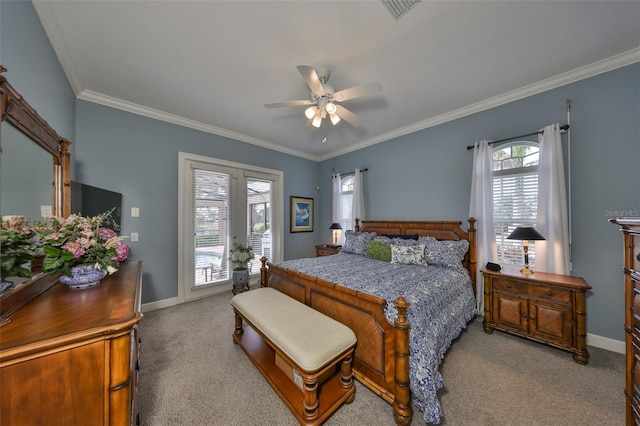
(336, 213)
(358, 196)
(552, 255)
(481, 208)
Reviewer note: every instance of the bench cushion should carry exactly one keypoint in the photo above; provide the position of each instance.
(310, 338)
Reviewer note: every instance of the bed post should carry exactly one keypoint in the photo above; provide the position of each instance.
(263, 272)
(402, 411)
(357, 228)
(472, 253)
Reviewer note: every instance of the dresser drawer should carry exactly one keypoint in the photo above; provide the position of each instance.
(508, 285)
(550, 293)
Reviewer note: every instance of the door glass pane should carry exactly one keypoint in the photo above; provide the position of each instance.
(258, 220)
(211, 207)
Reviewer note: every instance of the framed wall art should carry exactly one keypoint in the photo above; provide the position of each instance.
(301, 214)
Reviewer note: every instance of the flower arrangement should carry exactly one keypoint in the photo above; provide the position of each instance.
(78, 240)
(16, 247)
(240, 255)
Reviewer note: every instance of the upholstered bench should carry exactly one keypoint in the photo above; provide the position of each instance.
(308, 342)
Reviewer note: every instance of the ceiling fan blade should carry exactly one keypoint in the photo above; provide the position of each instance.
(289, 104)
(311, 77)
(358, 91)
(348, 116)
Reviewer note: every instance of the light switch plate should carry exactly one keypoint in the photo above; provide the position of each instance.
(134, 236)
(135, 212)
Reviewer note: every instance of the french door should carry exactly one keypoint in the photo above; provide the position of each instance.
(222, 202)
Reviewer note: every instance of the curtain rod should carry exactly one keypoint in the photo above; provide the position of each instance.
(564, 128)
(350, 173)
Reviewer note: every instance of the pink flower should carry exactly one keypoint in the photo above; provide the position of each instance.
(122, 252)
(75, 248)
(106, 233)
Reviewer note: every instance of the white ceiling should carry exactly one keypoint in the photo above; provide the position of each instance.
(212, 65)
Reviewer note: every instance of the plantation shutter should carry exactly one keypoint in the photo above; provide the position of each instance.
(515, 201)
(211, 214)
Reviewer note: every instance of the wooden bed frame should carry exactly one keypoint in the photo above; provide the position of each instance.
(381, 360)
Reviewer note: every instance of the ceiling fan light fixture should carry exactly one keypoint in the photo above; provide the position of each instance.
(331, 108)
(311, 112)
(317, 121)
(334, 119)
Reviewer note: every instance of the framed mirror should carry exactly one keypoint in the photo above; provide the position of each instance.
(35, 181)
(36, 164)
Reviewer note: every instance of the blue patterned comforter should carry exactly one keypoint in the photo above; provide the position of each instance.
(442, 302)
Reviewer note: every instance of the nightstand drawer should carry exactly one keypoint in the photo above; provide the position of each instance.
(509, 285)
(550, 293)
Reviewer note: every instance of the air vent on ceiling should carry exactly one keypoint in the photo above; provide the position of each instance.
(397, 8)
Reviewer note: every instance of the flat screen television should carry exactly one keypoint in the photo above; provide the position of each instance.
(89, 200)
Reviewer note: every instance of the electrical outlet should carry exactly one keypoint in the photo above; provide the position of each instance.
(135, 212)
(46, 211)
(134, 236)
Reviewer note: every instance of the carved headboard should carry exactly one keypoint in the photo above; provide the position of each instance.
(442, 230)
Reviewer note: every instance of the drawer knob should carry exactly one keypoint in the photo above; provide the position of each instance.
(532, 318)
(508, 285)
(548, 293)
(524, 315)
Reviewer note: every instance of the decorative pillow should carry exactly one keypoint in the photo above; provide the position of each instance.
(426, 240)
(408, 255)
(378, 251)
(402, 236)
(446, 253)
(357, 242)
(396, 241)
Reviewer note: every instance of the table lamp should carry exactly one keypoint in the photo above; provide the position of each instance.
(525, 233)
(335, 229)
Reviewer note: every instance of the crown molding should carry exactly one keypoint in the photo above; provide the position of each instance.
(108, 101)
(609, 64)
(58, 44)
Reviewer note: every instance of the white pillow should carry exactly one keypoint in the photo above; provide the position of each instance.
(408, 255)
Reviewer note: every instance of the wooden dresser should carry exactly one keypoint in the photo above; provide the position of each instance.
(70, 357)
(630, 228)
(543, 307)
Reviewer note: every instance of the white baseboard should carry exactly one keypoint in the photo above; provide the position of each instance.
(165, 303)
(605, 343)
(172, 301)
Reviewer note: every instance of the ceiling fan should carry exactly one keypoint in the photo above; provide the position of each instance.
(324, 100)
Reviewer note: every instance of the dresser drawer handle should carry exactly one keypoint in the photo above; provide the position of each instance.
(524, 315)
(508, 285)
(532, 318)
(549, 293)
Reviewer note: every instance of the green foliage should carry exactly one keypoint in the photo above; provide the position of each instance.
(16, 247)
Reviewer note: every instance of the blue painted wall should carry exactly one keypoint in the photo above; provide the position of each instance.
(424, 175)
(33, 68)
(427, 175)
(138, 157)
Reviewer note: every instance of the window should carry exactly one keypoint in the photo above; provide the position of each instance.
(515, 197)
(220, 201)
(347, 221)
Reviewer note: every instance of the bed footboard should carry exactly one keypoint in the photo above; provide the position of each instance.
(381, 359)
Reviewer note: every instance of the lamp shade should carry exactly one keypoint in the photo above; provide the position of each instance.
(525, 233)
(335, 226)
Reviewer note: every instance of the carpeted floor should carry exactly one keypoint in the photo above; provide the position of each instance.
(192, 374)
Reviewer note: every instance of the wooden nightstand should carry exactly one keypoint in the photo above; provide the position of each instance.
(546, 308)
(325, 250)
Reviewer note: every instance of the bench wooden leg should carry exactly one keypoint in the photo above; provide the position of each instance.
(346, 377)
(238, 330)
(310, 403)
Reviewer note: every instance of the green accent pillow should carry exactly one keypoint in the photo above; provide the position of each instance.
(378, 251)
